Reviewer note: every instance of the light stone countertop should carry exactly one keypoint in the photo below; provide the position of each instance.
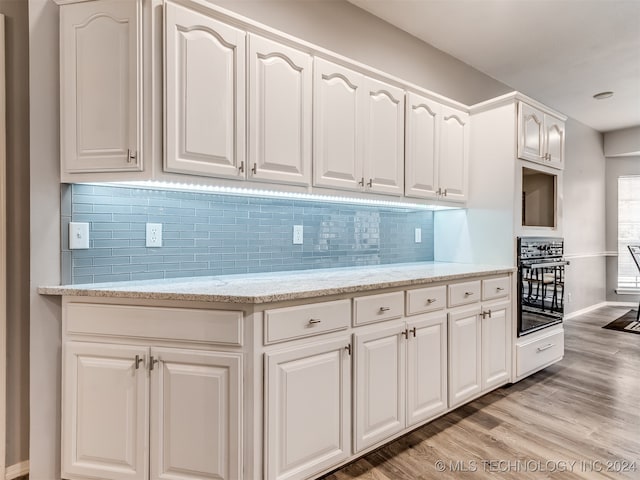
(282, 286)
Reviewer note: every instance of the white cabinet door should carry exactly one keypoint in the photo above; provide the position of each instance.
(100, 99)
(279, 112)
(554, 141)
(465, 357)
(196, 400)
(454, 154)
(337, 126)
(530, 133)
(422, 146)
(205, 95)
(426, 367)
(307, 411)
(496, 344)
(105, 428)
(384, 138)
(379, 385)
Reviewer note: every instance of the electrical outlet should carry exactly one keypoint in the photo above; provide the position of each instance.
(154, 234)
(78, 235)
(418, 235)
(297, 234)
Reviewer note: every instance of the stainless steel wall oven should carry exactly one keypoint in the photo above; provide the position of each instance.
(541, 290)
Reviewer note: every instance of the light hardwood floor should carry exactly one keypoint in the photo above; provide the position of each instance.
(584, 409)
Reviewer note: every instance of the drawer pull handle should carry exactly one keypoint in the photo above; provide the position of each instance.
(384, 309)
(313, 321)
(431, 300)
(500, 289)
(468, 294)
(138, 361)
(546, 347)
(484, 314)
(152, 362)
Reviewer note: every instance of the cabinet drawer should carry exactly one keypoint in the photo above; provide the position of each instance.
(377, 308)
(536, 354)
(305, 320)
(424, 300)
(495, 288)
(464, 293)
(189, 324)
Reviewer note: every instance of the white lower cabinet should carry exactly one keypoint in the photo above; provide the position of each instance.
(379, 384)
(119, 399)
(401, 377)
(308, 401)
(479, 350)
(426, 367)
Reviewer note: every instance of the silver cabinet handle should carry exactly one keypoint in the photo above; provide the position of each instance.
(444, 192)
(468, 294)
(384, 309)
(370, 183)
(361, 182)
(152, 362)
(546, 347)
(131, 156)
(431, 300)
(241, 167)
(485, 314)
(313, 321)
(138, 361)
(439, 191)
(254, 169)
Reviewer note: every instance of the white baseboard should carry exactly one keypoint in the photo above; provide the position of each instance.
(577, 313)
(622, 304)
(17, 470)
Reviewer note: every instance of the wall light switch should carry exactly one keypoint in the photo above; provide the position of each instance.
(78, 235)
(418, 235)
(297, 234)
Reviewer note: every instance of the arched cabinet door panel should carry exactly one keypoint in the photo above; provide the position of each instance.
(205, 95)
(100, 96)
(280, 100)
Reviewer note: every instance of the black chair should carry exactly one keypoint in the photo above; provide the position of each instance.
(635, 254)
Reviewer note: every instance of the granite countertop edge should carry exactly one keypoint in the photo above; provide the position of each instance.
(203, 289)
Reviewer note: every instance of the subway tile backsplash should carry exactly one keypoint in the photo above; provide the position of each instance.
(216, 234)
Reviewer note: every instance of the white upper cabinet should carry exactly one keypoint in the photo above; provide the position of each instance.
(437, 156)
(540, 137)
(554, 141)
(100, 95)
(454, 154)
(280, 101)
(337, 126)
(384, 138)
(205, 95)
(422, 146)
(358, 131)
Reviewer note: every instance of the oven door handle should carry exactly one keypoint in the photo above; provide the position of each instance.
(549, 264)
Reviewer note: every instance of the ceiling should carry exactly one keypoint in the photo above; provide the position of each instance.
(559, 52)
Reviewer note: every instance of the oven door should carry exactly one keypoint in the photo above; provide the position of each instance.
(541, 290)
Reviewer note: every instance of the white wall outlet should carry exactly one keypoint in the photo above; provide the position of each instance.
(154, 234)
(78, 235)
(568, 297)
(418, 235)
(297, 234)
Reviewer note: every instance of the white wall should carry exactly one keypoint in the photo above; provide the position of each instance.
(17, 122)
(584, 216)
(625, 142)
(44, 447)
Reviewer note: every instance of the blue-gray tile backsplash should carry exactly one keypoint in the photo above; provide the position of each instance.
(216, 234)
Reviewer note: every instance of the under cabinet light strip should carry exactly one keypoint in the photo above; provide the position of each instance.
(225, 190)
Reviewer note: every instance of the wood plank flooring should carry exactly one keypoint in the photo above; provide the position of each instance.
(584, 409)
